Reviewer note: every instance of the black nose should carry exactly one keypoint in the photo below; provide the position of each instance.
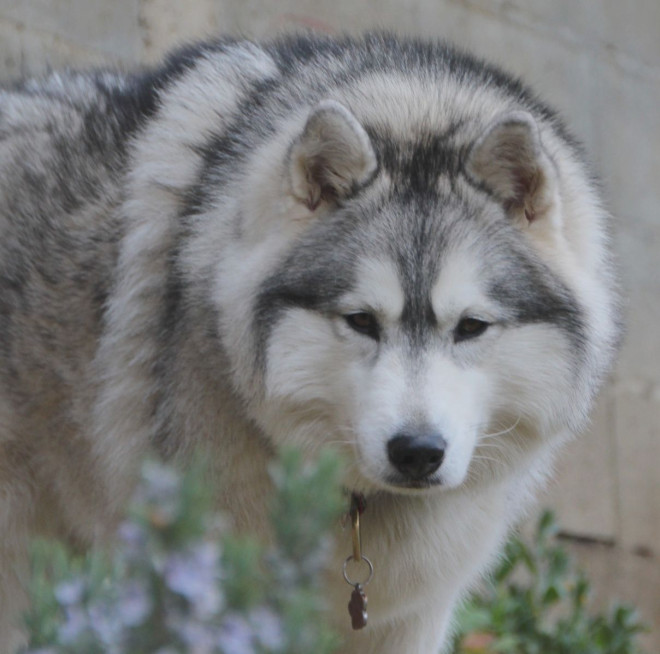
(416, 457)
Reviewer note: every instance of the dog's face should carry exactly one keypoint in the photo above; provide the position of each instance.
(411, 323)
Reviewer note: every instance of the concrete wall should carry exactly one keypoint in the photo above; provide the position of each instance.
(599, 63)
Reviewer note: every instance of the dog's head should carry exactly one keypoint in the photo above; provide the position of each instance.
(405, 306)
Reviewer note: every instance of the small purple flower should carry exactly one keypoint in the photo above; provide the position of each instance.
(236, 636)
(267, 628)
(133, 538)
(159, 491)
(70, 592)
(195, 575)
(74, 625)
(133, 604)
(106, 623)
(198, 637)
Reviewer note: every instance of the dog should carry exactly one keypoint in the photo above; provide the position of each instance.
(383, 246)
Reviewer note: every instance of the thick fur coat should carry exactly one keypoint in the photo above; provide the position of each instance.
(382, 246)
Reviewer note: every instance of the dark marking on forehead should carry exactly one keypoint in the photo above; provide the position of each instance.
(418, 253)
(423, 214)
(422, 226)
(416, 165)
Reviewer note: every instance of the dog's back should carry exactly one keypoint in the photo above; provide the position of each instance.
(62, 154)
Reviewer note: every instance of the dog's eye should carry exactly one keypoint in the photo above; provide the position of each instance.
(364, 323)
(469, 328)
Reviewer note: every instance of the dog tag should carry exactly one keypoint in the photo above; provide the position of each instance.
(357, 608)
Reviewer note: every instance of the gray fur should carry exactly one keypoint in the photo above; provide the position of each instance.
(162, 232)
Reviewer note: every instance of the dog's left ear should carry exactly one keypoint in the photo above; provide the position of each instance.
(331, 158)
(510, 162)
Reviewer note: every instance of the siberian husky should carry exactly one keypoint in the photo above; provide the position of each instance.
(383, 246)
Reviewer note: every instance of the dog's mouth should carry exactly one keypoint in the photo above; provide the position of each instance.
(402, 483)
(396, 486)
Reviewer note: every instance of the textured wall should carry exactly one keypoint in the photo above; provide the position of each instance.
(599, 63)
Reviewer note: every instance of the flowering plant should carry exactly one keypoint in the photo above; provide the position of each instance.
(179, 581)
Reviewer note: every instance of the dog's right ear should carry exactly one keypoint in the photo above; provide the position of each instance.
(331, 158)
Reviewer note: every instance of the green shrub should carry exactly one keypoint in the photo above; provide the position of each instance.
(538, 603)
